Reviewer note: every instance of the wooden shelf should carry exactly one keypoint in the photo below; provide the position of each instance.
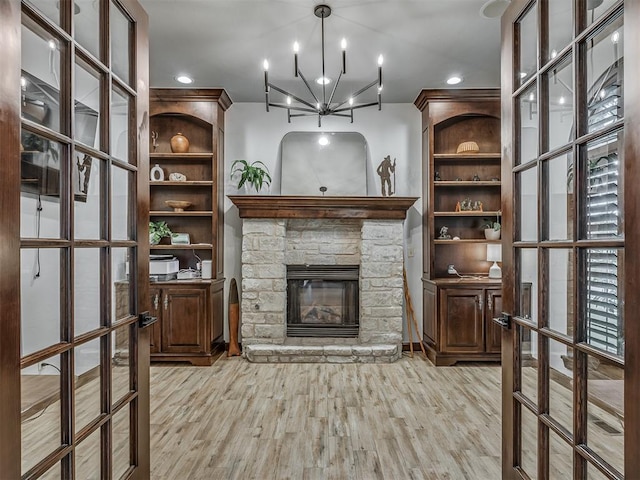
(467, 183)
(175, 156)
(196, 246)
(463, 240)
(187, 183)
(464, 156)
(168, 213)
(473, 213)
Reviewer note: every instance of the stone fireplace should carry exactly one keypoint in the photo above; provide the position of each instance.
(351, 241)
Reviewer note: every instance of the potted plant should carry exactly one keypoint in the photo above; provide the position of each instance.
(158, 231)
(251, 174)
(492, 228)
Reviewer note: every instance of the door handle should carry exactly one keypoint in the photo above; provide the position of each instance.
(145, 319)
(166, 301)
(156, 301)
(504, 320)
(489, 302)
(480, 303)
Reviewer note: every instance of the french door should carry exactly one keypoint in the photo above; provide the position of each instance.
(571, 368)
(74, 356)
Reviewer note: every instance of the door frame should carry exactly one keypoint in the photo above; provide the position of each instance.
(631, 220)
(10, 241)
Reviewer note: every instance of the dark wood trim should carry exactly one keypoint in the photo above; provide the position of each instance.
(455, 95)
(276, 206)
(10, 245)
(632, 237)
(218, 95)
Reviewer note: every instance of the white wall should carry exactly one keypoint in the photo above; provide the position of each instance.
(253, 134)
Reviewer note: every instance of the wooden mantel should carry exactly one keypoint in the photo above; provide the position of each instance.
(276, 206)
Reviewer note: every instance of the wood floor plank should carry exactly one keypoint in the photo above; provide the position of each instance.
(308, 421)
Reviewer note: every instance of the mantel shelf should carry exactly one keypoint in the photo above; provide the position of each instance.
(466, 183)
(276, 206)
(473, 213)
(187, 183)
(186, 213)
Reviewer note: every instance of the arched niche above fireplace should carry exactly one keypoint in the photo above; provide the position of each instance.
(324, 163)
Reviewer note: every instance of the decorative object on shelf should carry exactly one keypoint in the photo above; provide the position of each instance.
(177, 205)
(384, 170)
(458, 179)
(492, 229)
(177, 177)
(495, 179)
(179, 143)
(154, 140)
(444, 233)
(321, 105)
(158, 231)
(437, 177)
(180, 239)
(476, 178)
(234, 319)
(477, 206)
(466, 205)
(456, 238)
(157, 174)
(468, 147)
(206, 269)
(251, 174)
(494, 254)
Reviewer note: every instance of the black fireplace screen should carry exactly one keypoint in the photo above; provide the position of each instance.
(322, 301)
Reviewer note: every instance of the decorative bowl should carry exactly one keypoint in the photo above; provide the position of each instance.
(468, 147)
(178, 205)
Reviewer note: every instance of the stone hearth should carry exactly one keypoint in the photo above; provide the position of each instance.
(315, 234)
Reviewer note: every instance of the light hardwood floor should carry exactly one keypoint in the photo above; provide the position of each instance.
(407, 420)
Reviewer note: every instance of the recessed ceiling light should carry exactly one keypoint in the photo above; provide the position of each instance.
(184, 79)
(323, 80)
(454, 80)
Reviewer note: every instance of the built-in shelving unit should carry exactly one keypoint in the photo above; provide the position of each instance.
(462, 192)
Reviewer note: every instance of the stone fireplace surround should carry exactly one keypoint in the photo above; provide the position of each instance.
(279, 231)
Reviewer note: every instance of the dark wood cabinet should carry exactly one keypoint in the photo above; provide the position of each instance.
(188, 327)
(458, 320)
(462, 192)
(190, 311)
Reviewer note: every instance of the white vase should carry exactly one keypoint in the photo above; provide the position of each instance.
(491, 234)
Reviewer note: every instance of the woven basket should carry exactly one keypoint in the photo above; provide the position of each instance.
(468, 147)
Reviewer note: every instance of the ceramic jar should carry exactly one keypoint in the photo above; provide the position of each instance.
(179, 143)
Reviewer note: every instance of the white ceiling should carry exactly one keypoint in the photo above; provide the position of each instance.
(222, 43)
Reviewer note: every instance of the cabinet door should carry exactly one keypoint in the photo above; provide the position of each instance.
(493, 308)
(461, 320)
(429, 314)
(184, 317)
(156, 311)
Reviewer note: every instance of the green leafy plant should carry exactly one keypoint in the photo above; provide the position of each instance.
(159, 230)
(251, 173)
(490, 224)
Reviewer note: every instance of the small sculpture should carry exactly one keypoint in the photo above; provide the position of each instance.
(466, 205)
(477, 206)
(437, 177)
(476, 178)
(385, 169)
(458, 179)
(154, 140)
(177, 177)
(444, 233)
(156, 174)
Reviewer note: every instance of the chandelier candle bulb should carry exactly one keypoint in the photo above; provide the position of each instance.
(343, 44)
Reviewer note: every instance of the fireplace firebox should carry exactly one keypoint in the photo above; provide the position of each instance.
(322, 301)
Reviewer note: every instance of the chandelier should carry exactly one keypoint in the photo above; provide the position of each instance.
(321, 105)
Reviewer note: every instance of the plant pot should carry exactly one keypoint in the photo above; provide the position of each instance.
(491, 234)
(152, 240)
